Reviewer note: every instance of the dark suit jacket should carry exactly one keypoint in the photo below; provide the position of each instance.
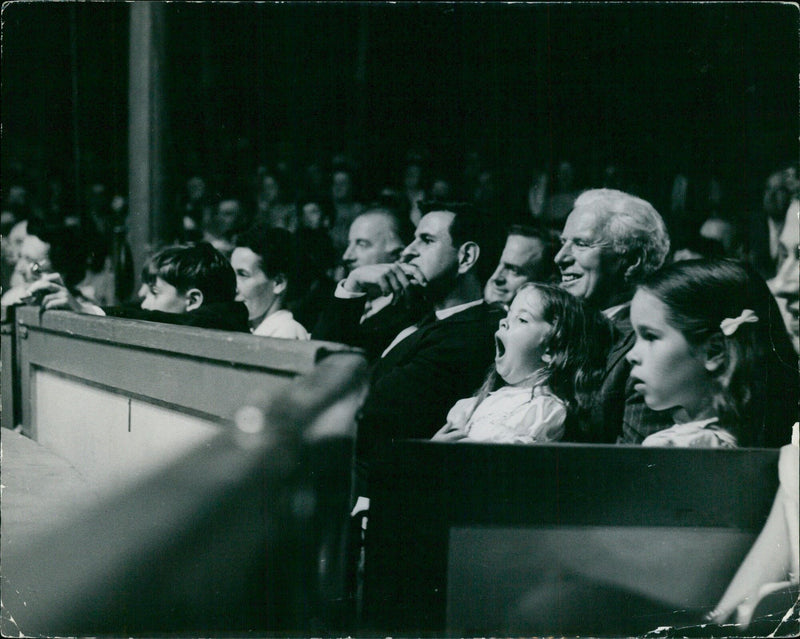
(420, 379)
(339, 322)
(621, 416)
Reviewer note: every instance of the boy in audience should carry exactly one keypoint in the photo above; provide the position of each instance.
(190, 285)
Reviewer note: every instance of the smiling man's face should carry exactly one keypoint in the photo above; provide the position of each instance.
(590, 269)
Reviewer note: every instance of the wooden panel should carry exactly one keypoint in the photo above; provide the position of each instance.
(41, 490)
(112, 439)
(265, 353)
(427, 490)
(210, 387)
(206, 373)
(9, 379)
(532, 580)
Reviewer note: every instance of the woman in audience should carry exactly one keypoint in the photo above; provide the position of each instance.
(264, 263)
(711, 347)
(46, 249)
(551, 353)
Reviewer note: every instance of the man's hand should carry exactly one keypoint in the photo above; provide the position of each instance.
(50, 292)
(384, 279)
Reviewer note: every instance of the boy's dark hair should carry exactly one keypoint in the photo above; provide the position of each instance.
(189, 266)
(275, 247)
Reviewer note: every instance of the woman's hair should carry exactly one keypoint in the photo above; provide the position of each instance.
(757, 384)
(578, 344)
(276, 249)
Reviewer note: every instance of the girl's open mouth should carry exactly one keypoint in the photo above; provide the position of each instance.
(500, 348)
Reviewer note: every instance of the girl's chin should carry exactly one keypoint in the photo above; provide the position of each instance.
(518, 380)
(504, 375)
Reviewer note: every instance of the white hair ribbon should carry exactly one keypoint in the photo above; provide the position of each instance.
(729, 325)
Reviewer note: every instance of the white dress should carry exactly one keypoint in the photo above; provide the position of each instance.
(705, 433)
(512, 415)
(281, 324)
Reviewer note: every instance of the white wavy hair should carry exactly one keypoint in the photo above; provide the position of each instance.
(629, 224)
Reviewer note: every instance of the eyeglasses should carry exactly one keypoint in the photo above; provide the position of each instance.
(35, 268)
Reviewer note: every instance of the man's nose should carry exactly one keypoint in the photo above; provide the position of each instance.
(564, 254)
(409, 251)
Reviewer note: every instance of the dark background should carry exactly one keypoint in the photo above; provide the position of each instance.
(709, 89)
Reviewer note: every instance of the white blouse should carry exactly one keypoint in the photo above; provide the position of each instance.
(512, 415)
(281, 324)
(705, 433)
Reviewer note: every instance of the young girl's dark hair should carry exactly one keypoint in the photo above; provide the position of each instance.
(578, 344)
(757, 382)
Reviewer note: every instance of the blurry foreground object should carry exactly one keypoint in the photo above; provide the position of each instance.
(243, 534)
(767, 584)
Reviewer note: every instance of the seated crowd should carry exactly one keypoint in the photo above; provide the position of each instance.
(602, 344)
(616, 314)
(590, 327)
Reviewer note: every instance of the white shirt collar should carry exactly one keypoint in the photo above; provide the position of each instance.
(452, 310)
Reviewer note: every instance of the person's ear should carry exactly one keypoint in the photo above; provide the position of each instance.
(468, 254)
(279, 283)
(632, 263)
(714, 353)
(194, 299)
(547, 357)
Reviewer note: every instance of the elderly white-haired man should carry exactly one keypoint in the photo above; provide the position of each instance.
(611, 240)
